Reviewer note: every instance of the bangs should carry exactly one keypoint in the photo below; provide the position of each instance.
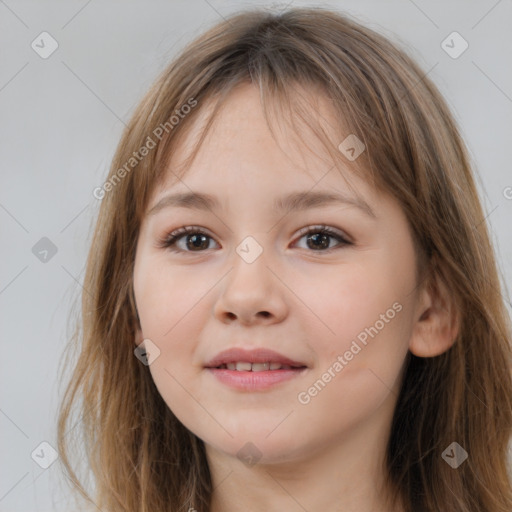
(303, 116)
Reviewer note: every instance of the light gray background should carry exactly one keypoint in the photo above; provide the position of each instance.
(61, 118)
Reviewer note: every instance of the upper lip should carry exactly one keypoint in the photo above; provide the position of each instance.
(258, 355)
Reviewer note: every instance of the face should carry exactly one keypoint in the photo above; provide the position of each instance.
(324, 292)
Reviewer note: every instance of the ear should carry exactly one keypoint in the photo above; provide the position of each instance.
(136, 321)
(139, 338)
(437, 320)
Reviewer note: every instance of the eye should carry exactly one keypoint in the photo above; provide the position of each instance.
(197, 240)
(318, 238)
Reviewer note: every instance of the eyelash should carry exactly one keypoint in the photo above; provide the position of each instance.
(169, 241)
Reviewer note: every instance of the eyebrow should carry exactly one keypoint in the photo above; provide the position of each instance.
(296, 201)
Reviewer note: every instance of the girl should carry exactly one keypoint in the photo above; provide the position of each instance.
(292, 301)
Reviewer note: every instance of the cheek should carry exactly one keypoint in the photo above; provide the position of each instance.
(340, 303)
(362, 313)
(165, 296)
(169, 302)
(168, 308)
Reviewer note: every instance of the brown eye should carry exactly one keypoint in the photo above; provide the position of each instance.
(319, 241)
(195, 240)
(319, 238)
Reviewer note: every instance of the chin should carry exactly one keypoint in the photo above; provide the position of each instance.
(258, 447)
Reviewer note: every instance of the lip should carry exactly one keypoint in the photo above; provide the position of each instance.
(251, 380)
(254, 381)
(259, 355)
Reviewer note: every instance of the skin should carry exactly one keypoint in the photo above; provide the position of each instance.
(327, 454)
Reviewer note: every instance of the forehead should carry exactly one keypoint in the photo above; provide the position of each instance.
(243, 145)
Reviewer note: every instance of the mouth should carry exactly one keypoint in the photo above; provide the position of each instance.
(241, 366)
(253, 370)
(256, 360)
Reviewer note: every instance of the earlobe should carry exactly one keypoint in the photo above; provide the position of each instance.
(437, 321)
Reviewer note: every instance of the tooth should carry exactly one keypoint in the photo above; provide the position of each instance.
(243, 367)
(275, 366)
(286, 367)
(260, 367)
(231, 366)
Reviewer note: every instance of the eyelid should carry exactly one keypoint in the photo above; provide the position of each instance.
(328, 229)
(178, 233)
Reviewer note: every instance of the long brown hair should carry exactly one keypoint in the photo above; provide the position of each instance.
(142, 458)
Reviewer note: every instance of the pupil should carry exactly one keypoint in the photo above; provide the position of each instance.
(323, 237)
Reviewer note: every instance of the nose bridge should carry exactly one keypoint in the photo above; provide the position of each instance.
(251, 288)
(251, 266)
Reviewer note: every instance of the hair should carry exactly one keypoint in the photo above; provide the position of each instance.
(141, 456)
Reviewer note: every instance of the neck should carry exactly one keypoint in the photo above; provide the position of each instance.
(345, 475)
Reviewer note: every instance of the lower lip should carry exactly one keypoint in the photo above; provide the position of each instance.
(254, 381)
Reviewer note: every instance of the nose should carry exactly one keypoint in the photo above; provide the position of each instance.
(252, 293)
